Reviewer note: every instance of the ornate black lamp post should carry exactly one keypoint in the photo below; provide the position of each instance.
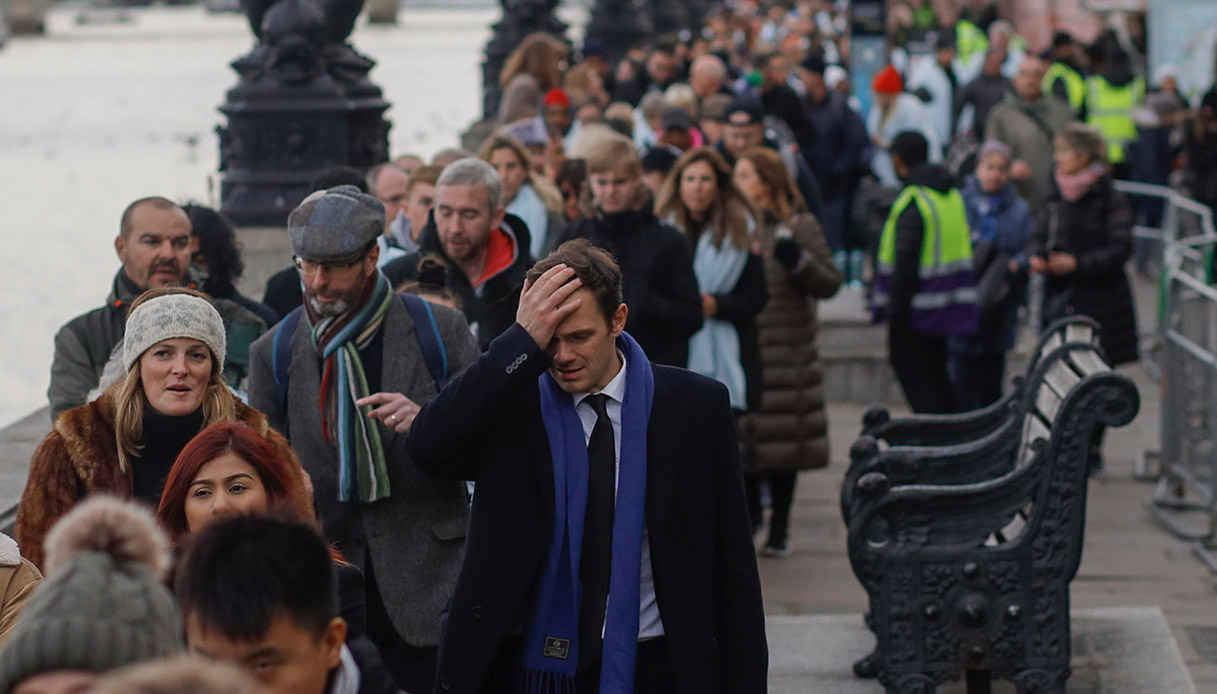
(619, 25)
(304, 102)
(668, 16)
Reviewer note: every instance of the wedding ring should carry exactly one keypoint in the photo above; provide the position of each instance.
(393, 418)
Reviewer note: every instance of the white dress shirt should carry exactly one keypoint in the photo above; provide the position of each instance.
(347, 678)
(650, 625)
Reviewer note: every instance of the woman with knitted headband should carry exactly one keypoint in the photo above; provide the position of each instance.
(125, 442)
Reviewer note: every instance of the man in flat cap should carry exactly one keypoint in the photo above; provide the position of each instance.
(343, 377)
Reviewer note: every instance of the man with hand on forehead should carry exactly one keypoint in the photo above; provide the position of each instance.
(609, 549)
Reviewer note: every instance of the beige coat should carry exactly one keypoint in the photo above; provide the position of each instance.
(18, 579)
(790, 430)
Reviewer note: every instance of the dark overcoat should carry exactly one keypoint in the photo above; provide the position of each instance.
(487, 426)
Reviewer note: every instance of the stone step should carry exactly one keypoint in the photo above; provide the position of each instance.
(853, 352)
(1129, 650)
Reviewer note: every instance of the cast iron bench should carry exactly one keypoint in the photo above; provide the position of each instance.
(966, 549)
(976, 461)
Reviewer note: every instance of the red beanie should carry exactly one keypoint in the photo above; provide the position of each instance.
(557, 96)
(887, 82)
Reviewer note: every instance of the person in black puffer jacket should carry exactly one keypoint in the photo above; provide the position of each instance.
(1082, 240)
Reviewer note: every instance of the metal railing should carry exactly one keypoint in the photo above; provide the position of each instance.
(1181, 353)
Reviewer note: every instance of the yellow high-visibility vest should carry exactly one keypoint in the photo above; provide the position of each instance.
(1075, 84)
(1109, 108)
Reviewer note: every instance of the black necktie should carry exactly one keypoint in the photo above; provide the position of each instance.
(596, 562)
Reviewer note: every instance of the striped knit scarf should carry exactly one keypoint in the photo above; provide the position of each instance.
(339, 340)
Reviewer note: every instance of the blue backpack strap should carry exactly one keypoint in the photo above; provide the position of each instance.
(434, 354)
(281, 353)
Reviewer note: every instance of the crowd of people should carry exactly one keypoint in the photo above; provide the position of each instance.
(517, 420)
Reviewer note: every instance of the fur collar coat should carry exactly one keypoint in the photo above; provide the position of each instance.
(80, 457)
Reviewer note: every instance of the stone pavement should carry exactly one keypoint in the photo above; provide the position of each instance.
(1115, 651)
(1127, 561)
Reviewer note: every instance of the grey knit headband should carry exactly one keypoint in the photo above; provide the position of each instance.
(169, 317)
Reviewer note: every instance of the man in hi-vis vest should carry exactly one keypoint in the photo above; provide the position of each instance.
(924, 286)
(1111, 97)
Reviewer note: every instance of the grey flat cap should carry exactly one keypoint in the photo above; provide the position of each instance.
(335, 225)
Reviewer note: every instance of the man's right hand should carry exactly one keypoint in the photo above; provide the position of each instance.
(545, 303)
(1020, 170)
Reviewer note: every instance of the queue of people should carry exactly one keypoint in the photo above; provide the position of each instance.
(511, 420)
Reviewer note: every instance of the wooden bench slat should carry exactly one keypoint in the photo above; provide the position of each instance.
(1048, 403)
(1088, 362)
(1050, 344)
(1078, 332)
(1061, 378)
(1032, 430)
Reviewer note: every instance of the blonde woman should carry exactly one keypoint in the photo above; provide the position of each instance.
(125, 442)
(789, 432)
(532, 198)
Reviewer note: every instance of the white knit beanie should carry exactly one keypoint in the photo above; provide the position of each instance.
(169, 317)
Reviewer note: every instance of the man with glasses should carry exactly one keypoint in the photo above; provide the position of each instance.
(354, 377)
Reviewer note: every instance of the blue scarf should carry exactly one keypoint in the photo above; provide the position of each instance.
(714, 351)
(552, 650)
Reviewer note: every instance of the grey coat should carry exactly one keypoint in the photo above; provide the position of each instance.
(415, 538)
(1024, 127)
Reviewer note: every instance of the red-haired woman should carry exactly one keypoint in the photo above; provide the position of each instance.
(228, 469)
(231, 469)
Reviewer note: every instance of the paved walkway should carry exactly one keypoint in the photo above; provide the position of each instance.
(1128, 561)
(1120, 650)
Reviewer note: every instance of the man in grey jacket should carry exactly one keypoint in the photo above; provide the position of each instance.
(1027, 121)
(355, 376)
(153, 245)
